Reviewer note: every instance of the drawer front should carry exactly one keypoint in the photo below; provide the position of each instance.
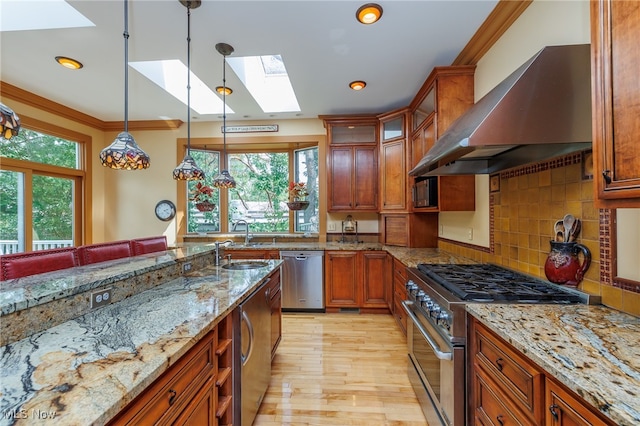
(492, 407)
(516, 376)
(399, 270)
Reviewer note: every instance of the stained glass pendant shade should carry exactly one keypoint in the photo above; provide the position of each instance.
(188, 169)
(9, 121)
(124, 153)
(224, 179)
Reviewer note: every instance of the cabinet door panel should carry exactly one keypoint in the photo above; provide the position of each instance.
(340, 178)
(375, 272)
(365, 178)
(615, 61)
(393, 176)
(341, 279)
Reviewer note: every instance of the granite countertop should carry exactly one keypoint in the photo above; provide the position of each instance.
(84, 371)
(592, 349)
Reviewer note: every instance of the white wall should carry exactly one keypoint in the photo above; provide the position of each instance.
(543, 23)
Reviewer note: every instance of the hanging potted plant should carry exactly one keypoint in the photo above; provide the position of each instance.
(297, 196)
(202, 196)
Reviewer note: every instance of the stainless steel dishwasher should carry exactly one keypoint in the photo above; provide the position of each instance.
(302, 280)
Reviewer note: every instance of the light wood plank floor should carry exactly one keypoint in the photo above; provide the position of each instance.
(340, 369)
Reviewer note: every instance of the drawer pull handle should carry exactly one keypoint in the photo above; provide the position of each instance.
(500, 363)
(605, 175)
(500, 419)
(552, 410)
(172, 398)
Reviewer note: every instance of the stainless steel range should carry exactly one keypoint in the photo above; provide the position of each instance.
(437, 327)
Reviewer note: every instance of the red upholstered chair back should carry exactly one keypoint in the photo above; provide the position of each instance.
(19, 265)
(94, 253)
(148, 245)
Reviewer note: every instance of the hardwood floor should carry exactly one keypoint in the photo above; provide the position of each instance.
(340, 369)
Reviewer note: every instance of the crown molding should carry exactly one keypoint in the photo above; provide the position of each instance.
(36, 101)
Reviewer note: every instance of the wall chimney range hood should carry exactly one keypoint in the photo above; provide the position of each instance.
(542, 110)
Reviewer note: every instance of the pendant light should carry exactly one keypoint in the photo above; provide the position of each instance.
(224, 179)
(188, 169)
(9, 122)
(124, 153)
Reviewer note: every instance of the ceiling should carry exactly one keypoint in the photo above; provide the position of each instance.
(322, 45)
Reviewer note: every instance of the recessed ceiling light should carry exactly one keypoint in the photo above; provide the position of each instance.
(221, 89)
(70, 63)
(369, 13)
(357, 85)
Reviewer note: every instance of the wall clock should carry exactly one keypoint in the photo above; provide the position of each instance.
(165, 210)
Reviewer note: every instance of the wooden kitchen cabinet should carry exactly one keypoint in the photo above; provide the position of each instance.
(446, 94)
(376, 276)
(183, 391)
(501, 374)
(224, 378)
(507, 388)
(352, 163)
(394, 191)
(358, 280)
(399, 294)
(352, 176)
(341, 279)
(409, 230)
(615, 59)
(275, 302)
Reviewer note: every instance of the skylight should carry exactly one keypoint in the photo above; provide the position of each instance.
(171, 75)
(22, 15)
(267, 80)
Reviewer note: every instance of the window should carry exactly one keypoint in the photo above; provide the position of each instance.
(306, 170)
(41, 180)
(199, 217)
(261, 194)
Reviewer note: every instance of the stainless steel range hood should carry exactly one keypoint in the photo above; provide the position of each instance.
(542, 110)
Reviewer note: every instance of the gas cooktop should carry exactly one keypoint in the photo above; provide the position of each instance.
(487, 283)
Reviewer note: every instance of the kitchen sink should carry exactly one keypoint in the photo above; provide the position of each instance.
(249, 264)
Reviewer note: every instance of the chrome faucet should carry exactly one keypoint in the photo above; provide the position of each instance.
(246, 230)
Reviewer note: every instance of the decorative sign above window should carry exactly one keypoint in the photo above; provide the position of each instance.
(250, 129)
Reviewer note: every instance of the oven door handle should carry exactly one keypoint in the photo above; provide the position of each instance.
(446, 356)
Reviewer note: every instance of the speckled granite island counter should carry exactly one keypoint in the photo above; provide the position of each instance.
(593, 350)
(85, 370)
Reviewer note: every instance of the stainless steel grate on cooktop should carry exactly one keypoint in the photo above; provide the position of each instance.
(488, 282)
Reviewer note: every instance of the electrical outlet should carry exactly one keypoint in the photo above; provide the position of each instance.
(470, 234)
(331, 227)
(186, 267)
(100, 298)
(441, 229)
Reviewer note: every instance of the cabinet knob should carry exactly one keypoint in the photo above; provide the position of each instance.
(172, 398)
(500, 419)
(605, 175)
(552, 410)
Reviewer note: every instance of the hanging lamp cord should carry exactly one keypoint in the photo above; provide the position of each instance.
(188, 79)
(224, 109)
(126, 66)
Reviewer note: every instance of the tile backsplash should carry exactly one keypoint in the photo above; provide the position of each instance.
(524, 207)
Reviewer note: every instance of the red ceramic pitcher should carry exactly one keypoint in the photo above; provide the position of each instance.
(563, 264)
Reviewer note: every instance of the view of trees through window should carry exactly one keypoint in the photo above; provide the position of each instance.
(51, 221)
(261, 194)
